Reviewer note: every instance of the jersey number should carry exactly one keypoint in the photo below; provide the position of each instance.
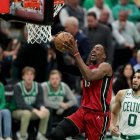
(86, 83)
(132, 120)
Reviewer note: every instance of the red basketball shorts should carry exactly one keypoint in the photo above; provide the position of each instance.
(94, 124)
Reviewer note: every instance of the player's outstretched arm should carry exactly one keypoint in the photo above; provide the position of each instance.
(104, 68)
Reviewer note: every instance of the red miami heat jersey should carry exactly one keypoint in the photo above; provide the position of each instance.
(97, 94)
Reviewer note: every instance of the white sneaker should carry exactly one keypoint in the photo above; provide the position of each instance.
(41, 137)
(8, 138)
(19, 137)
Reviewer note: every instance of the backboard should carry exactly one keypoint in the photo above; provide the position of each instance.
(4, 6)
(29, 11)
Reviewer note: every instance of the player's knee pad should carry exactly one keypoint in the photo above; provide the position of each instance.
(58, 134)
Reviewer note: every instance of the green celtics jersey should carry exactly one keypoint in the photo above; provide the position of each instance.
(29, 96)
(130, 114)
(57, 96)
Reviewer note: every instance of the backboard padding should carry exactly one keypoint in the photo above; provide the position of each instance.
(19, 11)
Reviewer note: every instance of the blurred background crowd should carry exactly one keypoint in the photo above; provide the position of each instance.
(113, 23)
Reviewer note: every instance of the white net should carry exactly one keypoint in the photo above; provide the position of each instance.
(38, 34)
(41, 33)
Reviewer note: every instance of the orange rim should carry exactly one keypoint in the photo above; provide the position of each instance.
(58, 1)
(32, 4)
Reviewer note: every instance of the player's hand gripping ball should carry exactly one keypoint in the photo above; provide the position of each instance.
(62, 38)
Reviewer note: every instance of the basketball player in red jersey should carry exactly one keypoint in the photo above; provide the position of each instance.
(93, 116)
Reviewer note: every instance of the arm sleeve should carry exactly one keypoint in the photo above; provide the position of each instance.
(48, 103)
(20, 103)
(39, 98)
(71, 99)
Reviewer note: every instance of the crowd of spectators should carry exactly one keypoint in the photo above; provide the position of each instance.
(115, 24)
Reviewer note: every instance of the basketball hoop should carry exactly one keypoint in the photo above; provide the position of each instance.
(42, 33)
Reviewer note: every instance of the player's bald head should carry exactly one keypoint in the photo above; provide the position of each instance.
(102, 48)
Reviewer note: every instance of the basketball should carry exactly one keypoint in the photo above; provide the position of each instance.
(61, 38)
